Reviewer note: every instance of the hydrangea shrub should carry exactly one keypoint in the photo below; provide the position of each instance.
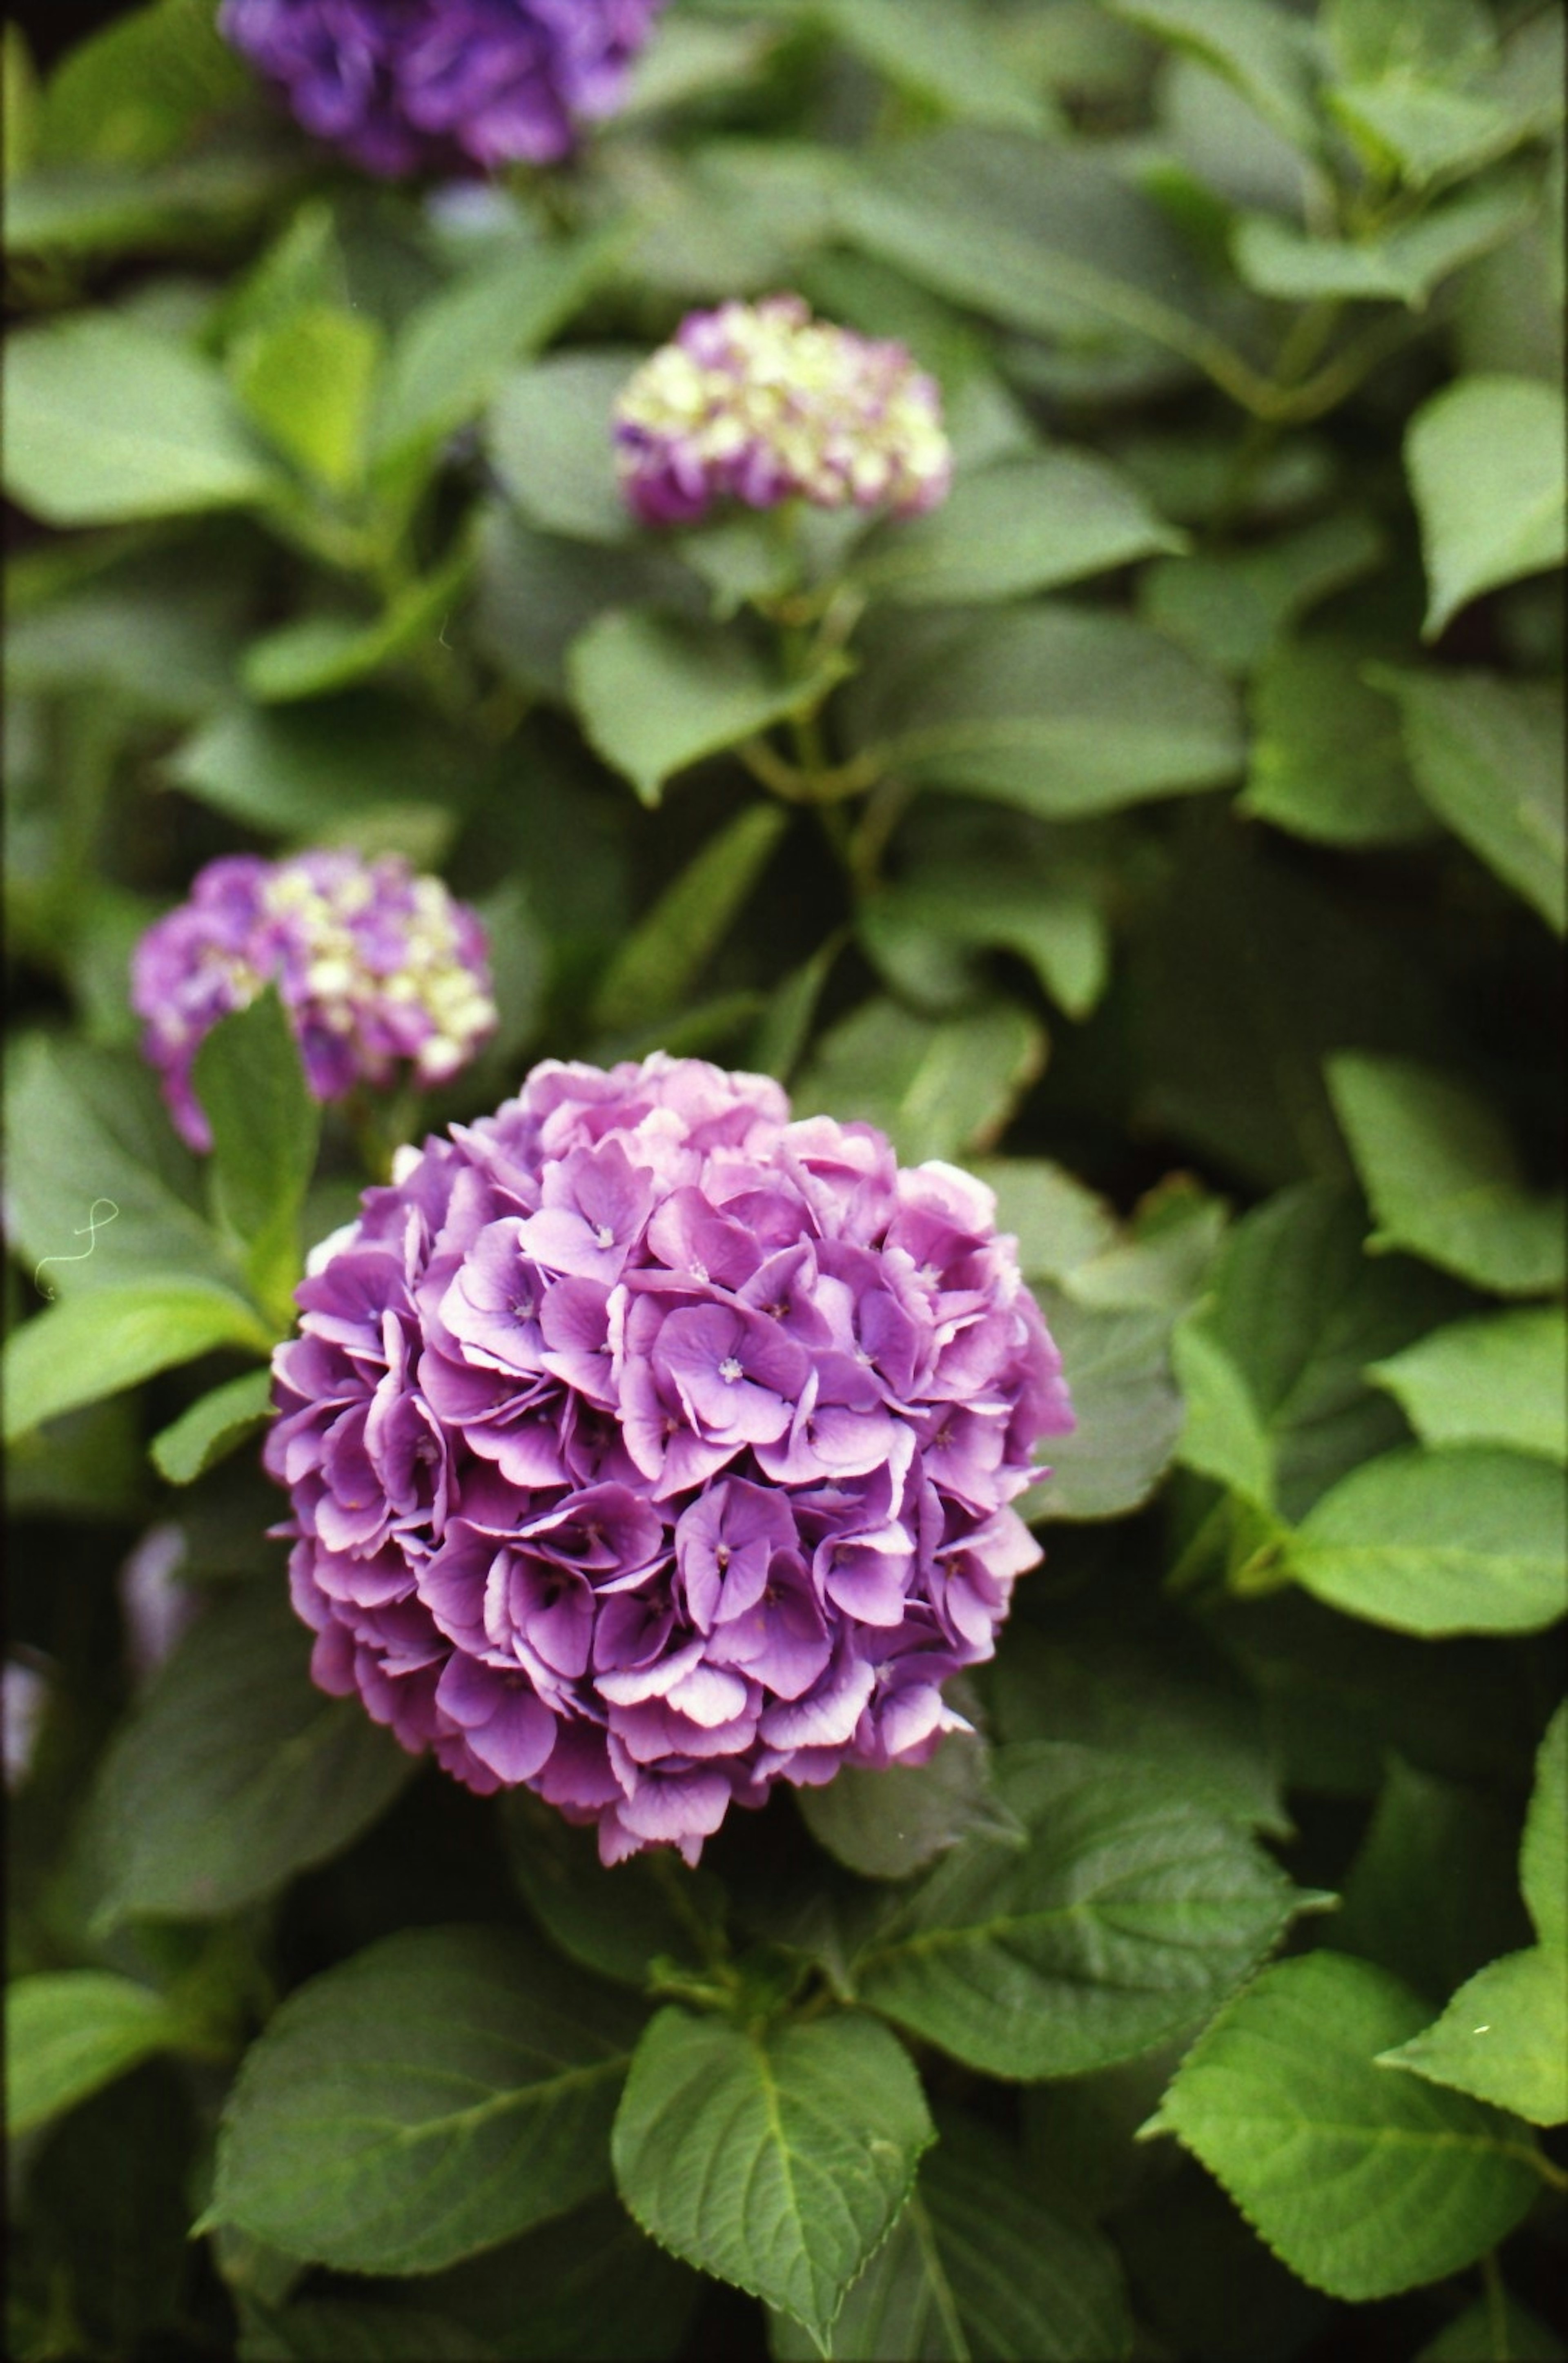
(786, 1322)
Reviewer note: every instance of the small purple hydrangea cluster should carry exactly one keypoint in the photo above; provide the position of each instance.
(759, 402)
(443, 86)
(374, 966)
(646, 1448)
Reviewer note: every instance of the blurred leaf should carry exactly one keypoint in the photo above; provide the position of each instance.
(1018, 526)
(1461, 1538)
(439, 2091)
(1443, 1176)
(784, 1031)
(1059, 711)
(951, 60)
(1489, 478)
(1431, 132)
(936, 1089)
(1446, 39)
(1117, 1364)
(1231, 609)
(1495, 1380)
(165, 647)
(109, 1338)
(1487, 757)
(92, 210)
(885, 1824)
(1405, 265)
(88, 1465)
(1364, 2183)
(212, 1428)
(250, 1079)
(923, 931)
(552, 437)
(538, 593)
(655, 694)
(448, 356)
(18, 102)
(326, 769)
(351, 2330)
(587, 2285)
(1161, 1263)
(1497, 2325)
(659, 962)
(729, 217)
(1545, 1842)
(1432, 1892)
(777, 2157)
(1327, 760)
(1131, 1910)
(978, 2265)
(1263, 53)
(616, 1926)
(235, 1772)
(318, 654)
(1059, 1222)
(107, 2204)
(133, 93)
(694, 58)
(107, 421)
(307, 382)
(73, 2031)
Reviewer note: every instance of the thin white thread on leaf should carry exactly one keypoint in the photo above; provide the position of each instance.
(88, 1231)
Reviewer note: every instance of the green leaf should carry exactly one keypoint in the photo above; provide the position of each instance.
(107, 421)
(978, 2265)
(656, 967)
(1231, 608)
(1545, 1845)
(251, 1081)
(327, 769)
(166, 648)
(1405, 265)
(886, 1824)
(109, 1338)
(655, 695)
(134, 92)
(441, 2091)
(1058, 1221)
(1443, 1176)
(1364, 2183)
(776, 2157)
(538, 593)
(937, 1090)
(1278, 1357)
(351, 2330)
(308, 382)
(617, 1926)
(103, 209)
(1129, 1912)
(1448, 39)
(1494, 1379)
(584, 2284)
(73, 2031)
(1487, 756)
(235, 1772)
(552, 437)
(1326, 763)
(1059, 711)
(317, 654)
(1486, 467)
(1503, 2037)
(1465, 1539)
(942, 56)
(212, 1427)
(1117, 1364)
(923, 931)
(1495, 2329)
(1019, 526)
(452, 351)
(1431, 1893)
(1430, 133)
(1260, 51)
(784, 1031)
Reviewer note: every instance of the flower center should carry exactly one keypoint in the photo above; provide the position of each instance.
(603, 1238)
(730, 1369)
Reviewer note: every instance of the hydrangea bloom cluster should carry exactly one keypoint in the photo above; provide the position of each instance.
(410, 85)
(760, 402)
(646, 1448)
(374, 964)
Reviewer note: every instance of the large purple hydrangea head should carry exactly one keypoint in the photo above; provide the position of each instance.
(376, 967)
(645, 1448)
(759, 402)
(444, 85)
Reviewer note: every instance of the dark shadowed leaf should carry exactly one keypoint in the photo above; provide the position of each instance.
(936, 1088)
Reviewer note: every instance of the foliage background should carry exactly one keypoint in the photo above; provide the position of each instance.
(1197, 871)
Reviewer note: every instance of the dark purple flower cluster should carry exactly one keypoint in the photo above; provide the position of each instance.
(443, 86)
(375, 965)
(646, 1448)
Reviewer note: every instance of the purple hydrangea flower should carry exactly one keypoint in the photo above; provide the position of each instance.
(646, 1448)
(443, 86)
(759, 402)
(374, 966)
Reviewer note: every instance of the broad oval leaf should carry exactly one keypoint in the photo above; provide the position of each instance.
(439, 2092)
(1494, 1379)
(1131, 1910)
(89, 1347)
(887, 1823)
(212, 1427)
(1463, 1539)
(552, 437)
(936, 1088)
(777, 2157)
(235, 1772)
(1327, 761)
(70, 2031)
(1503, 2037)
(1485, 460)
(1117, 1363)
(1364, 2182)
